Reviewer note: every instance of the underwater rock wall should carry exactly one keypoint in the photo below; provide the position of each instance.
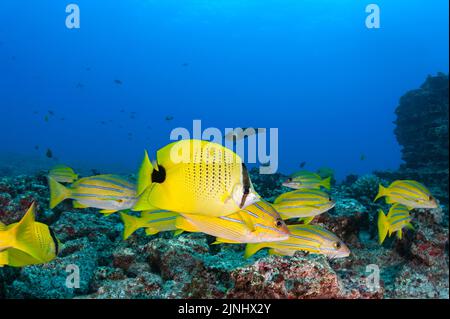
(422, 131)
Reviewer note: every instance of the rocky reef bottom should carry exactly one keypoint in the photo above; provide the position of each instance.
(188, 266)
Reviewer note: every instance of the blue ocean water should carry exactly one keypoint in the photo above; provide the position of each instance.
(99, 95)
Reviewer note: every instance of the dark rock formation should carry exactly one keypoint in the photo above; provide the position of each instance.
(422, 131)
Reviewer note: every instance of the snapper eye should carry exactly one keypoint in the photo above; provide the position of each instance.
(337, 245)
(430, 198)
(279, 223)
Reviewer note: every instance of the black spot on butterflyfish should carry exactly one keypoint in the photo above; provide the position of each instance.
(246, 182)
(55, 241)
(159, 176)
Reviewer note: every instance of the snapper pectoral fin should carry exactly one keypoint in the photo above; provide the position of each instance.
(151, 231)
(246, 218)
(178, 232)
(107, 212)
(77, 204)
(4, 258)
(224, 241)
(184, 224)
(306, 220)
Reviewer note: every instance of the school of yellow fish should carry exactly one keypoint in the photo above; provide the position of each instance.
(200, 186)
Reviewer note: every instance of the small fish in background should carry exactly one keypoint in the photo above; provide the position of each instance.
(239, 134)
(153, 221)
(310, 238)
(35, 112)
(132, 115)
(233, 229)
(193, 186)
(303, 203)
(27, 242)
(46, 118)
(79, 85)
(362, 157)
(63, 174)
(122, 111)
(410, 193)
(118, 82)
(95, 171)
(49, 153)
(36, 147)
(397, 219)
(325, 172)
(110, 193)
(51, 113)
(185, 64)
(302, 164)
(62, 119)
(88, 68)
(169, 118)
(307, 180)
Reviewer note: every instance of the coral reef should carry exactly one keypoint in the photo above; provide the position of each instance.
(188, 266)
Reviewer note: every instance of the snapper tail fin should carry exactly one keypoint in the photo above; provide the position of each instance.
(58, 192)
(251, 249)
(326, 183)
(383, 226)
(381, 192)
(130, 224)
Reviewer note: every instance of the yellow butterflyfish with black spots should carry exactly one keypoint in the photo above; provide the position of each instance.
(267, 225)
(27, 242)
(195, 177)
(410, 193)
(110, 193)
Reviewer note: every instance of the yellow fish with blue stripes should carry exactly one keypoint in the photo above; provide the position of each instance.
(303, 203)
(397, 219)
(307, 180)
(410, 193)
(27, 242)
(309, 238)
(63, 174)
(267, 225)
(110, 193)
(153, 222)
